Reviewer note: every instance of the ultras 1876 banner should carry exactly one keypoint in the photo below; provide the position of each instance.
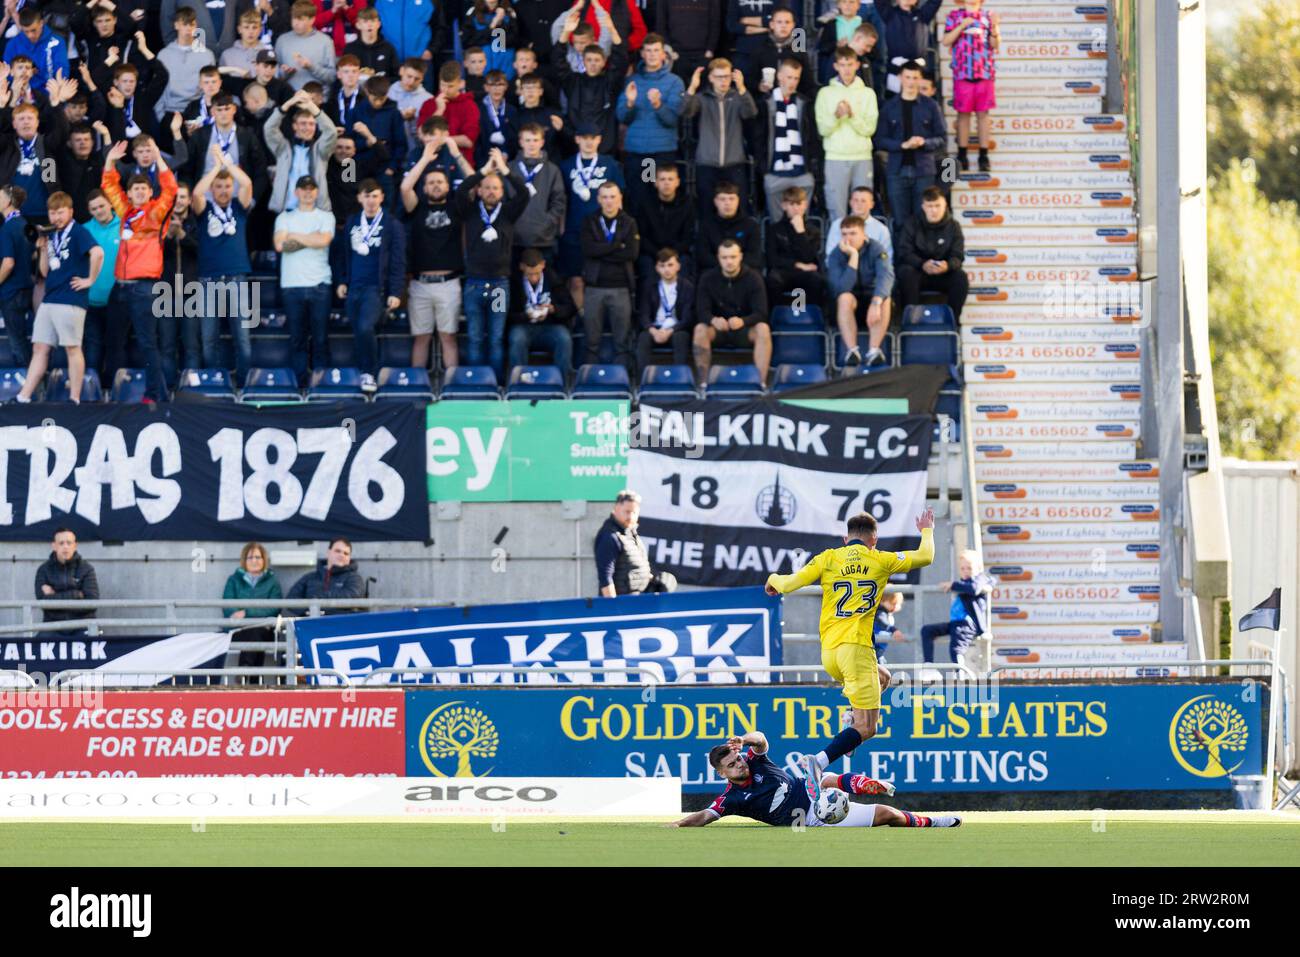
(213, 470)
(732, 492)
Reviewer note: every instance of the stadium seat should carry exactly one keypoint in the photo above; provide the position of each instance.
(128, 386)
(535, 382)
(808, 319)
(395, 351)
(734, 382)
(7, 358)
(949, 404)
(470, 382)
(271, 385)
(405, 382)
(668, 384)
(343, 350)
(794, 376)
(940, 348)
(56, 387)
(602, 382)
(210, 383)
(798, 337)
(334, 384)
(11, 382)
(929, 317)
(271, 350)
(268, 292)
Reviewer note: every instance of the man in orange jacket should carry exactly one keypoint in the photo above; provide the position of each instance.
(140, 256)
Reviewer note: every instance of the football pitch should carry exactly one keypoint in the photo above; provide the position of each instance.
(1029, 838)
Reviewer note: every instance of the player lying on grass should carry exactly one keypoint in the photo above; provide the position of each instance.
(758, 789)
(853, 580)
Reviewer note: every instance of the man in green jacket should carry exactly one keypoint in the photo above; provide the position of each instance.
(846, 118)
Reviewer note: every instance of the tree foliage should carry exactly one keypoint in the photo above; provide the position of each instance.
(1254, 262)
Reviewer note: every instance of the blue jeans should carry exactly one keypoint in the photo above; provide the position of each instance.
(17, 313)
(364, 307)
(307, 309)
(139, 300)
(555, 339)
(961, 633)
(214, 291)
(92, 340)
(905, 189)
(486, 303)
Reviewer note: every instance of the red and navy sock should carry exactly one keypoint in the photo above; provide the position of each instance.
(916, 820)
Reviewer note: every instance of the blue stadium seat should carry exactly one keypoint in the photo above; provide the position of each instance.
(535, 382)
(271, 350)
(128, 386)
(268, 292)
(888, 346)
(343, 350)
(7, 358)
(405, 382)
(799, 348)
(334, 384)
(271, 385)
(734, 382)
(668, 384)
(56, 387)
(11, 382)
(210, 383)
(395, 351)
(470, 382)
(808, 319)
(602, 382)
(929, 317)
(794, 376)
(949, 404)
(939, 348)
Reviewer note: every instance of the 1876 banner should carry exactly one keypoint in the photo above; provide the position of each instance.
(733, 492)
(213, 471)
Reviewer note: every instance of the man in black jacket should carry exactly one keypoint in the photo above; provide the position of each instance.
(794, 255)
(726, 222)
(666, 220)
(132, 97)
(541, 313)
(929, 254)
(778, 47)
(788, 145)
(336, 576)
(622, 561)
(592, 95)
(80, 168)
(238, 142)
(693, 29)
(667, 311)
(731, 310)
(489, 203)
(610, 244)
(66, 576)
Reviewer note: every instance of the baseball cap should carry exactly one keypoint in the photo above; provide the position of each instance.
(586, 129)
(266, 56)
(306, 182)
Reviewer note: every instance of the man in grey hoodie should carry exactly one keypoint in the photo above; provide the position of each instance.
(183, 58)
(539, 227)
(720, 153)
(216, 37)
(305, 54)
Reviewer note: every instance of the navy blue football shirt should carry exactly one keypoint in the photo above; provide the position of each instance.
(773, 795)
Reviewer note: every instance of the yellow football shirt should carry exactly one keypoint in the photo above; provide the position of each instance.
(853, 579)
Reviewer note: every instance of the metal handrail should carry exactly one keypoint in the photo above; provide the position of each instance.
(799, 669)
(513, 670)
(71, 674)
(84, 603)
(84, 624)
(1166, 663)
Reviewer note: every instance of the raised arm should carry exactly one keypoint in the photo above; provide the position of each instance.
(810, 573)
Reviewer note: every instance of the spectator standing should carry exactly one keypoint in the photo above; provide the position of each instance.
(667, 311)
(534, 110)
(489, 215)
(930, 254)
(720, 149)
(238, 144)
(781, 44)
(337, 19)
(622, 562)
(968, 614)
(498, 119)
(859, 271)
(346, 98)
(972, 34)
(749, 22)
(542, 220)
(15, 273)
(36, 41)
(907, 34)
(105, 228)
(651, 106)
(221, 200)
(731, 311)
(666, 220)
(66, 576)
(434, 257)
(70, 262)
(541, 313)
(307, 154)
(840, 30)
(36, 136)
(335, 577)
(133, 97)
(413, 29)
(884, 631)
(913, 132)
(371, 270)
(584, 175)
(80, 167)
(377, 56)
(610, 245)
(693, 28)
(181, 264)
(593, 84)
(410, 95)
(846, 119)
(183, 57)
(456, 106)
(492, 25)
(304, 53)
(302, 238)
(211, 34)
(791, 143)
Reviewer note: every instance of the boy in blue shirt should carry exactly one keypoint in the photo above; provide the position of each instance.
(223, 260)
(884, 630)
(968, 615)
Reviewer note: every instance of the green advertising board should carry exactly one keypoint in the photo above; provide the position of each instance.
(527, 451)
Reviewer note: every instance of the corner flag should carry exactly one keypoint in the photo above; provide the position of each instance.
(1267, 614)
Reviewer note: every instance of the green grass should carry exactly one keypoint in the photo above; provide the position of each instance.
(985, 839)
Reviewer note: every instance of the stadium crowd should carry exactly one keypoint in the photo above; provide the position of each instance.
(539, 175)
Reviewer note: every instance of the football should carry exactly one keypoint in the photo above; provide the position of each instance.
(832, 807)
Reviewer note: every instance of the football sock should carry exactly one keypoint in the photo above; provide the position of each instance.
(916, 820)
(842, 744)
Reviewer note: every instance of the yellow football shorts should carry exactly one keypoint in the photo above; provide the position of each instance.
(854, 667)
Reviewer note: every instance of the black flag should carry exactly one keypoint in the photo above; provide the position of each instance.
(1267, 614)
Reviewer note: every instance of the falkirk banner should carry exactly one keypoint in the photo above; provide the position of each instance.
(556, 641)
(731, 492)
(1083, 737)
(214, 470)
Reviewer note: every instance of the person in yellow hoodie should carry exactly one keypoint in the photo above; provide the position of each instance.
(846, 118)
(853, 580)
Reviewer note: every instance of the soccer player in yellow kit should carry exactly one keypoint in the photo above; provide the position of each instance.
(853, 581)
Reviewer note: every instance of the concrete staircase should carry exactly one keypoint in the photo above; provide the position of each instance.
(1051, 356)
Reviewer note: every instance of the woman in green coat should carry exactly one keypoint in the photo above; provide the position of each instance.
(253, 579)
